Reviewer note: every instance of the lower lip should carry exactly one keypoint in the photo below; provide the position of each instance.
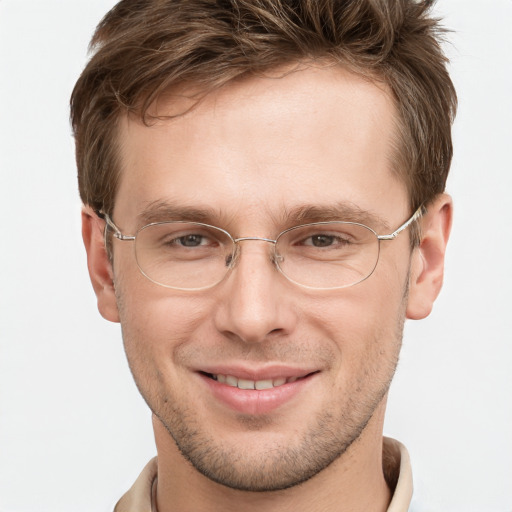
(253, 401)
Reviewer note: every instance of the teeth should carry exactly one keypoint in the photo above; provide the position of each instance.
(246, 384)
(231, 381)
(264, 384)
(251, 384)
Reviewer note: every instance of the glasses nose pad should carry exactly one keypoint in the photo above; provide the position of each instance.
(232, 258)
(277, 258)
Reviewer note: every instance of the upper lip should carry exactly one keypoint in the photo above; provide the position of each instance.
(256, 374)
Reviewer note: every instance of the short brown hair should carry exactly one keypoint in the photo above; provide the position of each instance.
(143, 48)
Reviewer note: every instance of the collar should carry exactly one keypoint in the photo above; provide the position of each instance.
(395, 460)
(398, 473)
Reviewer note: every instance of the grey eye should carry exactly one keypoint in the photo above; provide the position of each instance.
(190, 240)
(322, 240)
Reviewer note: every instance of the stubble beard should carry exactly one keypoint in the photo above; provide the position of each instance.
(278, 465)
(275, 467)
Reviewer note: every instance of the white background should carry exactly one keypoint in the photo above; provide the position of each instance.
(74, 433)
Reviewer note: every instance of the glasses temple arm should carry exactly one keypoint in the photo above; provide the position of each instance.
(110, 223)
(417, 214)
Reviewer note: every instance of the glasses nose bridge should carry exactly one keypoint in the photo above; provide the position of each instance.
(260, 238)
(236, 243)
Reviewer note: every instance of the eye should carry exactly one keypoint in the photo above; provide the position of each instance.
(192, 240)
(177, 237)
(325, 240)
(180, 242)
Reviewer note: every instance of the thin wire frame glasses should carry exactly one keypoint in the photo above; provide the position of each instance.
(194, 256)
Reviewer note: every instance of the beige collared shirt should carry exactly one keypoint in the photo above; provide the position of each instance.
(396, 462)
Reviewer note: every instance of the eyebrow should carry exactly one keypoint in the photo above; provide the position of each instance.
(162, 211)
(343, 211)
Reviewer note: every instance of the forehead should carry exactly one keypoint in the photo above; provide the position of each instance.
(315, 136)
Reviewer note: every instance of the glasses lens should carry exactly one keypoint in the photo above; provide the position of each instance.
(328, 255)
(183, 255)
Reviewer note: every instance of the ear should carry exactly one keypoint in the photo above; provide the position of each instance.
(427, 267)
(100, 268)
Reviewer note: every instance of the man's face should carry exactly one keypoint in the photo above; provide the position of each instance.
(248, 155)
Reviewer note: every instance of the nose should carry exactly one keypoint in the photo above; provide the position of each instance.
(256, 302)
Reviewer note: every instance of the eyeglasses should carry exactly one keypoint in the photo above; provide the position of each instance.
(194, 256)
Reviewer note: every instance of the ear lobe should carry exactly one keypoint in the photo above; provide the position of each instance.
(100, 268)
(427, 267)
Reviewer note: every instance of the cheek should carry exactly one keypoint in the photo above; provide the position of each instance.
(156, 323)
(363, 324)
(152, 316)
(160, 324)
(155, 330)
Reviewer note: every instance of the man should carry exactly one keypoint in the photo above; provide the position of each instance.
(263, 188)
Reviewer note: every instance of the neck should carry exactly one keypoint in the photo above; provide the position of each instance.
(355, 482)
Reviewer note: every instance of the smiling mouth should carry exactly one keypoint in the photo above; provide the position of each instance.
(259, 385)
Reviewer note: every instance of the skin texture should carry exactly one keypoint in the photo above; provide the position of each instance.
(250, 153)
